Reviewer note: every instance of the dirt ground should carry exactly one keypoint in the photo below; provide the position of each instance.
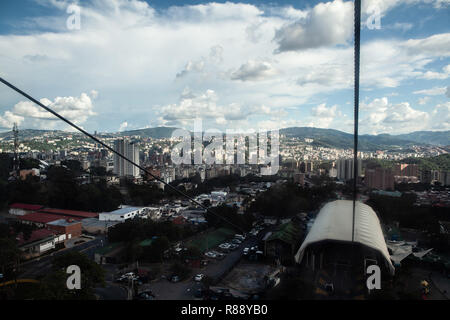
(247, 277)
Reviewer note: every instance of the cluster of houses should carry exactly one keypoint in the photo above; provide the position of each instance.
(58, 226)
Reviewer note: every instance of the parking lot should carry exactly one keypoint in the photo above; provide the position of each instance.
(216, 270)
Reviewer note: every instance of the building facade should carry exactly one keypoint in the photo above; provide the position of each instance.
(130, 150)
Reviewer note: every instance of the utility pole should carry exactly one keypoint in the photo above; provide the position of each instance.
(357, 30)
(16, 161)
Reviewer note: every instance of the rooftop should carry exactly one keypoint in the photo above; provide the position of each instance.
(124, 210)
(36, 235)
(63, 222)
(94, 222)
(72, 213)
(40, 217)
(26, 206)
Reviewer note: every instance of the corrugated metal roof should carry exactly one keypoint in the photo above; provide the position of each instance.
(72, 213)
(26, 206)
(40, 217)
(334, 222)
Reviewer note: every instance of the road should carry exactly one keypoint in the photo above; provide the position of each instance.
(42, 265)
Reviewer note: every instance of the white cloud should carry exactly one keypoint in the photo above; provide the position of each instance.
(435, 91)
(322, 117)
(8, 119)
(123, 126)
(441, 117)
(75, 109)
(191, 66)
(381, 116)
(327, 24)
(423, 101)
(205, 106)
(430, 75)
(254, 70)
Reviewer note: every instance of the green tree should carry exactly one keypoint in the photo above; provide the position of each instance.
(9, 254)
(53, 286)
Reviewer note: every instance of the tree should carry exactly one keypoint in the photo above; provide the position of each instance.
(154, 252)
(226, 216)
(53, 285)
(74, 166)
(9, 254)
(98, 171)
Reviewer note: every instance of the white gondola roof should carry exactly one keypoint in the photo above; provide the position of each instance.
(334, 222)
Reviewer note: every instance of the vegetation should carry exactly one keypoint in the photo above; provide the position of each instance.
(441, 162)
(53, 286)
(61, 190)
(403, 211)
(227, 217)
(133, 232)
(289, 199)
(143, 195)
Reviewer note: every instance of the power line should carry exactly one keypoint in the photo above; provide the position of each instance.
(113, 151)
(357, 18)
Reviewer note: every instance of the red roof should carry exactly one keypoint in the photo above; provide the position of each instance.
(41, 217)
(35, 236)
(71, 213)
(25, 206)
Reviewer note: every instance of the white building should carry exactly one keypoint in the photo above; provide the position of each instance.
(131, 151)
(123, 214)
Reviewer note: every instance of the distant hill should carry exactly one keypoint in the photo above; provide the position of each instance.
(322, 137)
(339, 139)
(438, 138)
(156, 133)
(441, 162)
(26, 133)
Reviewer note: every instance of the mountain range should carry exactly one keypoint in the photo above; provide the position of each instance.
(321, 137)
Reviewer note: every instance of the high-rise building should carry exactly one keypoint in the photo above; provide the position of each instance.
(408, 170)
(130, 150)
(379, 178)
(444, 178)
(345, 169)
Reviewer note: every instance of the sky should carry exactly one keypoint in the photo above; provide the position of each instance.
(252, 65)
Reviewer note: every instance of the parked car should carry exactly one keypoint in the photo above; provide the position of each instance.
(246, 250)
(175, 278)
(234, 246)
(236, 241)
(146, 295)
(239, 236)
(199, 277)
(210, 254)
(224, 245)
(220, 256)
